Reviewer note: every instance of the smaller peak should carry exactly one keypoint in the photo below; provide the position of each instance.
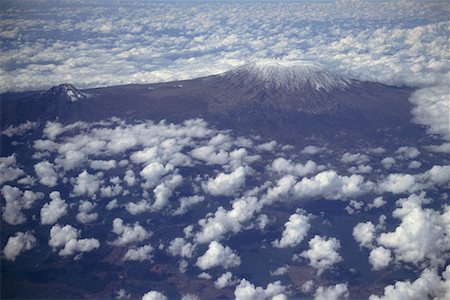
(66, 91)
(290, 75)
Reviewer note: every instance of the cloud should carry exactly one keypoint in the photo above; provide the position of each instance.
(377, 203)
(67, 238)
(153, 172)
(53, 129)
(428, 286)
(225, 280)
(443, 148)
(52, 211)
(179, 247)
(164, 191)
(432, 108)
(154, 295)
(322, 253)
(139, 253)
(103, 164)
(356, 158)
(333, 292)
(422, 233)
(16, 201)
(364, 234)
(129, 233)
(86, 184)
(407, 152)
(186, 203)
(312, 150)
(85, 215)
(399, 183)
(284, 166)
(331, 185)
(295, 230)
(218, 255)
(20, 129)
(380, 258)
(18, 244)
(9, 171)
(214, 227)
(112, 204)
(248, 291)
(388, 162)
(46, 173)
(226, 184)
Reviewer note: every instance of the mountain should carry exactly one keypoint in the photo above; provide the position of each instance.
(288, 101)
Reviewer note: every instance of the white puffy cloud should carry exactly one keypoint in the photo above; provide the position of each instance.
(210, 155)
(154, 295)
(356, 158)
(70, 159)
(218, 255)
(295, 230)
(103, 164)
(226, 184)
(16, 201)
(364, 234)
(423, 233)
(280, 271)
(333, 292)
(407, 152)
(225, 280)
(312, 150)
(428, 286)
(46, 173)
(380, 258)
(399, 183)
(164, 191)
(9, 171)
(215, 226)
(331, 185)
(18, 244)
(129, 178)
(443, 148)
(52, 211)
(322, 253)
(139, 253)
(86, 184)
(432, 108)
(112, 204)
(153, 172)
(377, 203)
(246, 290)
(190, 297)
(186, 203)
(179, 247)
(67, 238)
(128, 233)
(20, 129)
(85, 215)
(388, 162)
(284, 166)
(53, 129)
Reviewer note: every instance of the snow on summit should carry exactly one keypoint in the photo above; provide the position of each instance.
(290, 75)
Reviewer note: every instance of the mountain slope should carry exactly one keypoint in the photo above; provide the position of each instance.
(289, 102)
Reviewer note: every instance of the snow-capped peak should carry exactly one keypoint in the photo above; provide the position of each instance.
(290, 75)
(66, 91)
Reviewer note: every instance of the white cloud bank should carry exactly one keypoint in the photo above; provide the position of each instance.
(400, 50)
